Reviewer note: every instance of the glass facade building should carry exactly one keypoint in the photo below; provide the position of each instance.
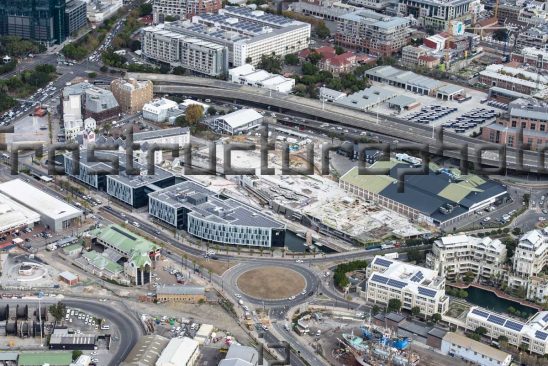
(40, 20)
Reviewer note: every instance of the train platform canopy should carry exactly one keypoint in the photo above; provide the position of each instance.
(14, 215)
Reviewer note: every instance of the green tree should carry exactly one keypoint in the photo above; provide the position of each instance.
(58, 311)
(414, 255)
(339, 50)
(248, 60)
(145, 9)
(481, 331)
(75, 354)
(436, 317)
(271, 63)
(375, 310)
(503, 341)
(500, 35)
(104, 68)
(194, 113)
(135, 45)
(314, 57)
(394, 305)
(212, 111)
(511, 310)
(179, 70)
(415, 310)
(309, 69)
(291, 59)
(92, 75)
(322, 31)
(463, 294)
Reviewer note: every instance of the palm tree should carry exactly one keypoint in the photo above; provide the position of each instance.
(283, 252)
(272, 252)
(194, 265)
(209, 272)
(261, 251)
(238, 249)
(250, 251)
(183, 259)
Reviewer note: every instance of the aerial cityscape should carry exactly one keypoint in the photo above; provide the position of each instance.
(273, 182)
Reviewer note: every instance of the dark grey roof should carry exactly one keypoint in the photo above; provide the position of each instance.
(395, 317)
(149, 135)
(413, 328)
(437, 332)
(248, 354)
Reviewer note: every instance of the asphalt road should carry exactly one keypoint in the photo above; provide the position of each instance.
(129, 327)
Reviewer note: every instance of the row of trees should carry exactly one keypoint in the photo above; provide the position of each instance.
(17, 47)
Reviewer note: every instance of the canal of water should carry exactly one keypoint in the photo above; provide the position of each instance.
(490, 300)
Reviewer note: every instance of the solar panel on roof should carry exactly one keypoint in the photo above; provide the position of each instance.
(496, 319)
(513, 325)
(480, 313)
(396, 283)
(427, 292)
(379, 279)
(417, 277)
(541, 335)
(383, 262)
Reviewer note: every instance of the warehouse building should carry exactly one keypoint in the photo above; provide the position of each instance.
(69, 278)
(181, 293)
(442, 197)
(477, 353)
(179, 351)
(191, 207)
(147, 351)
(45, 358)
(412, 285)
(366, 99)
(237, 122)
(248, 75)
(61, 339)
(14, 216)
(55, 214)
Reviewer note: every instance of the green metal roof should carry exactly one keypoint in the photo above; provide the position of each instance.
(102, 262)
(457, 191)
(46, 357)
(370, 183)
(72, 247)
(134, 247)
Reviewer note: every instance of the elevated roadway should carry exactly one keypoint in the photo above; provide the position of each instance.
(387, 125)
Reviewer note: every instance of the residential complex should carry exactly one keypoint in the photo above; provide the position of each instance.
(43, 21)
(533, 333)
(165, 44)
(373, 33)
(132, 94)
(528, 115)
(536, 37)
(477, 353)
(182, 9)
(248, 75)
(191, 207)
(412, 285)
(456, 255)
(436, 14)
(441, 197)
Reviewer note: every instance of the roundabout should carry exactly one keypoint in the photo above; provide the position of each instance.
(271, 283)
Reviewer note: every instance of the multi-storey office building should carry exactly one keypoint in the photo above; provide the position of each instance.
(191, 207)
(76, 16)
(456, 255)
(529, 115)
(373, 33)
(412, 285)
(533, 333)
(43, 21)
(437, 14)
(130, 189)
(132, 94)
(182, 9)
(176, 49)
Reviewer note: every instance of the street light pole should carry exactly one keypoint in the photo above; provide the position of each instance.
(40, 295)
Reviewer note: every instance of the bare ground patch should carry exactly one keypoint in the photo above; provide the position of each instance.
(271, 282)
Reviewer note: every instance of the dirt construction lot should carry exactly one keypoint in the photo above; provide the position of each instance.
(271, 283)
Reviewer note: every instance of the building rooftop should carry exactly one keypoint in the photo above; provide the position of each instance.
(9, 356)
(514, 75)
(130, 84)
(147, 351)
(156, 134)
(99, 100)
(132, 245)
(441, 194)
(39, 200)
(405, 77)
(177, 352)
(180, 290)
(375, 19)
(245, 353)
(13, 214)
(240, 117)
(258, 16)
(403, 101)
(366, 98)
(206, 204)
(479, 347)
(76, 89)
(69, 276)
(61, 336)
(41, 358)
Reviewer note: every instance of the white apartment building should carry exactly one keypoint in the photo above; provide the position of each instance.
(72, 116)
(177, 49)
(100, 10)
(530, 257)
(455, 255)
(181, 9)
(533, 333)
(158, 110)
(237, 122)
(412, 285)
(248, 75)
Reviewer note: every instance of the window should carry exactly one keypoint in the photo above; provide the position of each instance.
(533, 126)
